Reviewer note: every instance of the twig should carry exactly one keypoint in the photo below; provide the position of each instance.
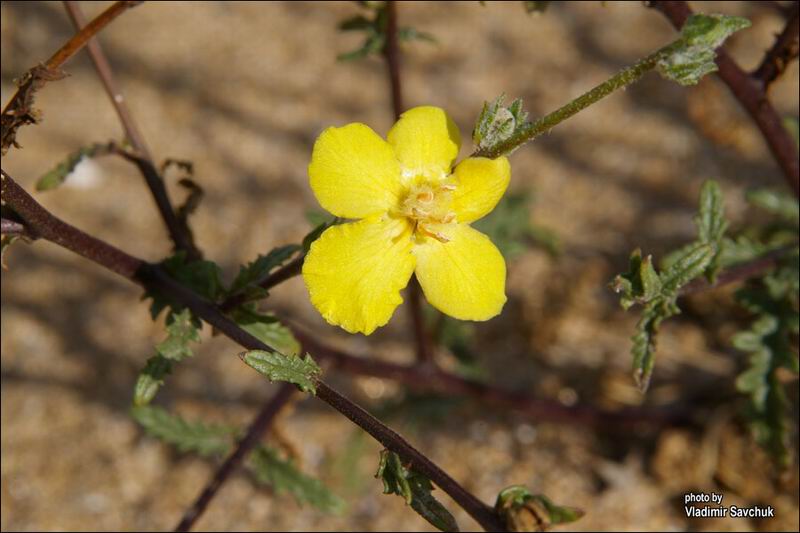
(741, 272)
(144, 160)
(287, 271)
(42, 222)
(44, 225)
(441, 381)
(785, 49)
(257, 429)
(751, 96)
(12, 227)
(18, 111)
(391, 53)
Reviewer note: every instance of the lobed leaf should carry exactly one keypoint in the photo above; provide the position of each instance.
(284, 477)
(523, 511)
(692, 56)
(150, 379)
(303, 372)
(415, 489)
(181, 329)
(58, 175)
(256, 271)
(267, 329)
(206, 440)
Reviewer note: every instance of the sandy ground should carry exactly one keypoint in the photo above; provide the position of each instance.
(242, 90)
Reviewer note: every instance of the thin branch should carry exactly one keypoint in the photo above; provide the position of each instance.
(19, 111)
(257, 429)
(741, 272)
(391, 52)
(12, 227)
(441, 381)
(751, 96)
(286, 272)
(41, 221)
(144, 160)
(783, 52)
(479, 511)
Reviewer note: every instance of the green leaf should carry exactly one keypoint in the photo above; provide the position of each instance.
(278, 367)
(781, 204)
(150, 379)
(415, 489)
(257, 271)
(412, 34)
(207, 440)
(692, 56)
(523, 511)
(659, 291)
(181, 329)
(284, 477)
(497, 123)
(58, 175)
(267, 329)
(315, 233)
(202, 277)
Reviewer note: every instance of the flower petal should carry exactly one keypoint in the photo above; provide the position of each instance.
(354, 272)
(480, 183)
(464, 277)
(354, 172)
(426, 142)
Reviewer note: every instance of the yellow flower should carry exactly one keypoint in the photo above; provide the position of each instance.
(413, 212)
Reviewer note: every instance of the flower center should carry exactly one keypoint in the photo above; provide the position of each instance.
(428, 205)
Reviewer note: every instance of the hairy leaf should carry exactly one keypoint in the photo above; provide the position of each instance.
(303, 372)
(207, 440)
(257, 271)
(415, 489)
(496, 123)
(692, 56)
(181, 329)
(202, 277)
(267, 329)
(58, 175)
(284, 477)
(150, 379)
(658, 291)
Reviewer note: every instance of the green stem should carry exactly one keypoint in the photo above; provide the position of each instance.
(531, 130)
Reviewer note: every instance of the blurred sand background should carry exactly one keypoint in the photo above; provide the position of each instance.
(242, 89)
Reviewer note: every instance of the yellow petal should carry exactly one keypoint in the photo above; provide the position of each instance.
(354, 172)
(354, 272)
(426, 142)
(480, 183)
(464, 277)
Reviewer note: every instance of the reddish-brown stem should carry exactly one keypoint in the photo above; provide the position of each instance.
(741, 272)
(440, 381)
(783, 52)
(751, 96)
(47, 226)
(18, 111)
(287, 271)
(391, 53)
(41, 223)
(12, 227)
(257, 429)
(143, 160)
